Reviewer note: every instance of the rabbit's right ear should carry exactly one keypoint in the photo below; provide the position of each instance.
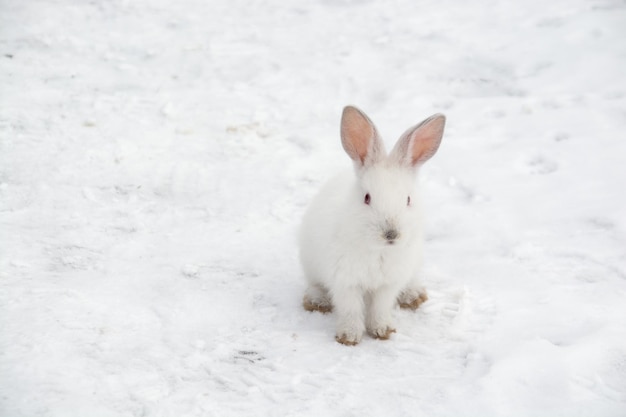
(418, 144)
(360, 138)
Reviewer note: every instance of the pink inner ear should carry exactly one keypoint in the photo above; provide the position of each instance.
(426, 140)
(356, 134)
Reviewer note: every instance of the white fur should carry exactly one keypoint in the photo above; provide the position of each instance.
(347, 258)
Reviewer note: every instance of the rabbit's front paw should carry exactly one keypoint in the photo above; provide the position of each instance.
(349, 335)
(381, 332)
(348, 340)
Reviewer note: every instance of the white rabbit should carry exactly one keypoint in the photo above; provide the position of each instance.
(361, 237)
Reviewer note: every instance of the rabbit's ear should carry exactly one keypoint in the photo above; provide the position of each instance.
(360, 138)
(418, 144)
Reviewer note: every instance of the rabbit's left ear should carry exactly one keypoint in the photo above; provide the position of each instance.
(360, 138)
(418, 144)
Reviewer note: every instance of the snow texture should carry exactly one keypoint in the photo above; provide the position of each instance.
(157, 156)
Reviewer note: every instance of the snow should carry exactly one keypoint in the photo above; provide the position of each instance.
(156, 158)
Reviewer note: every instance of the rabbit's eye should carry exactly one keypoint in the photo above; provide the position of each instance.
(408, 201)
(367, 198)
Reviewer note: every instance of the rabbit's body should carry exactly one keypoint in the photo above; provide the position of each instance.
(360, 240)
(362, 256)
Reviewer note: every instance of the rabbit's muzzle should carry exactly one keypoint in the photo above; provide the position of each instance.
(390, 235)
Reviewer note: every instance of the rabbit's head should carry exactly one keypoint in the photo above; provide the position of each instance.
(383, 196)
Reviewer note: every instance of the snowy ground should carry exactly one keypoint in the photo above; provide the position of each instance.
(156, 157)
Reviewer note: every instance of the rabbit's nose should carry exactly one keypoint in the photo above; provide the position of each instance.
(391, 235)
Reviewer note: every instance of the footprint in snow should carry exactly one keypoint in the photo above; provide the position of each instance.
(538, 165)
(249, 356)
(460, 311)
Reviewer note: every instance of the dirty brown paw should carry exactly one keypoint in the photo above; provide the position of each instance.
(414, 303)
(345, 340)
(382, 333)
(312, 306)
